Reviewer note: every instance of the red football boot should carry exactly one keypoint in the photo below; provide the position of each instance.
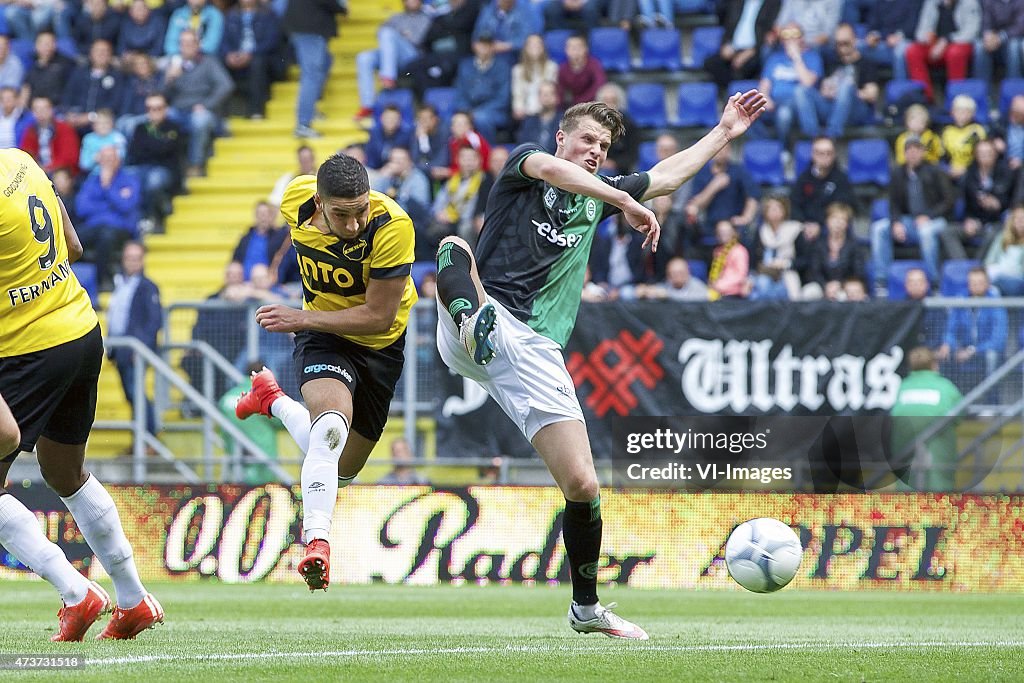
(262, 395)
(315, 567)
(128, 623)
(76, 619)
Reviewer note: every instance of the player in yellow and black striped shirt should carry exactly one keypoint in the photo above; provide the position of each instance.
(50, 357)
(355, 251)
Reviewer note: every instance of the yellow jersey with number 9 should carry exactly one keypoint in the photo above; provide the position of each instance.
(336, 272)
(43, 304)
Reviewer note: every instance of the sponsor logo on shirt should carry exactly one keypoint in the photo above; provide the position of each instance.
(556, 236)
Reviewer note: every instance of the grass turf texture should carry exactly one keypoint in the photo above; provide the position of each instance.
(391, 633)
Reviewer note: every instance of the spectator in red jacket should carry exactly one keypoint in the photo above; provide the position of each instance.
(52, 143)
(581, 74)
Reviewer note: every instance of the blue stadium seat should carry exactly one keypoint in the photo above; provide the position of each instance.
(698, 269)
(763, 160)
(645, 102)
(441, 99)
(25, 50)
(698, 105)
(420, 269)
(706, 42)
(554, 41)
(693, 7)
(739, 86)
(1007, 90)
(977, 89)
(610, 45)
(897, 274)
(660, 50)
(399, 97)
(868, 162)
(898, 87)
(879, 209)
(89, 278)
(646, 157)
(67, 47)
(801, 156)
(954, 276)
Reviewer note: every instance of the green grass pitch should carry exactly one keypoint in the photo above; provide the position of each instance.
(218, 632)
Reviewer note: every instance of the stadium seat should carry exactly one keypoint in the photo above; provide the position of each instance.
(694, 7)
(645, 102)
(897, 274)
(89, 278)
(646, 157)
(25, 50)
(801, 156)
(706, 42)
(610, 45)
(954, 276)
(420, 269)
(879, 209)
(739, 86)
(698, 105)
(660, 50)
(399, 97)
(1009, 88)
(977, 89)
(554, 41)
(868, 162)
(698, 269)
(441, 99)
(68, 48)
(763, 160)
(898, 88)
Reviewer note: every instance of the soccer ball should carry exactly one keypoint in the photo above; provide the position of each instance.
(763, 554)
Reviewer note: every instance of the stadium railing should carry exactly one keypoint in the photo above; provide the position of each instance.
(992, 397)
(144, 359)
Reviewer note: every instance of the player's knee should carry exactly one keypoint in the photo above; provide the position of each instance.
(65, 481)
(457, 241)
(582, 487)
(10, 439)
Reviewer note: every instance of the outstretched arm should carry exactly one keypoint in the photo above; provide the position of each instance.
(740, 113)
(567, 176)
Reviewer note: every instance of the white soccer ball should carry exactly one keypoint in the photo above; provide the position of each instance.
(763, 554)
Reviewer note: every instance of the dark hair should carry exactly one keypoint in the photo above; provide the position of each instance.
(342, 176)
(604, 115)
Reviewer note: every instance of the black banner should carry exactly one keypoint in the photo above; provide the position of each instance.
(724, 358)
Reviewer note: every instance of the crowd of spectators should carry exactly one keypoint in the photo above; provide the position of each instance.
(120, 100)
(931, 78)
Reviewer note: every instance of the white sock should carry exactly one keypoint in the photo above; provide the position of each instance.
(585, 612)
(327, 438)
(21, 535)
(96, 515)
(295, 418)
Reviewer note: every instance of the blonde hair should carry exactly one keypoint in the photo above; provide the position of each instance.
(839, 207)
(965, 102)
(1010, 236)
(916, 110)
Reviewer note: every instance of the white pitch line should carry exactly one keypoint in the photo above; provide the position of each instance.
(400, 652)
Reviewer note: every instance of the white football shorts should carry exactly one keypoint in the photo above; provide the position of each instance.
(527, 376)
